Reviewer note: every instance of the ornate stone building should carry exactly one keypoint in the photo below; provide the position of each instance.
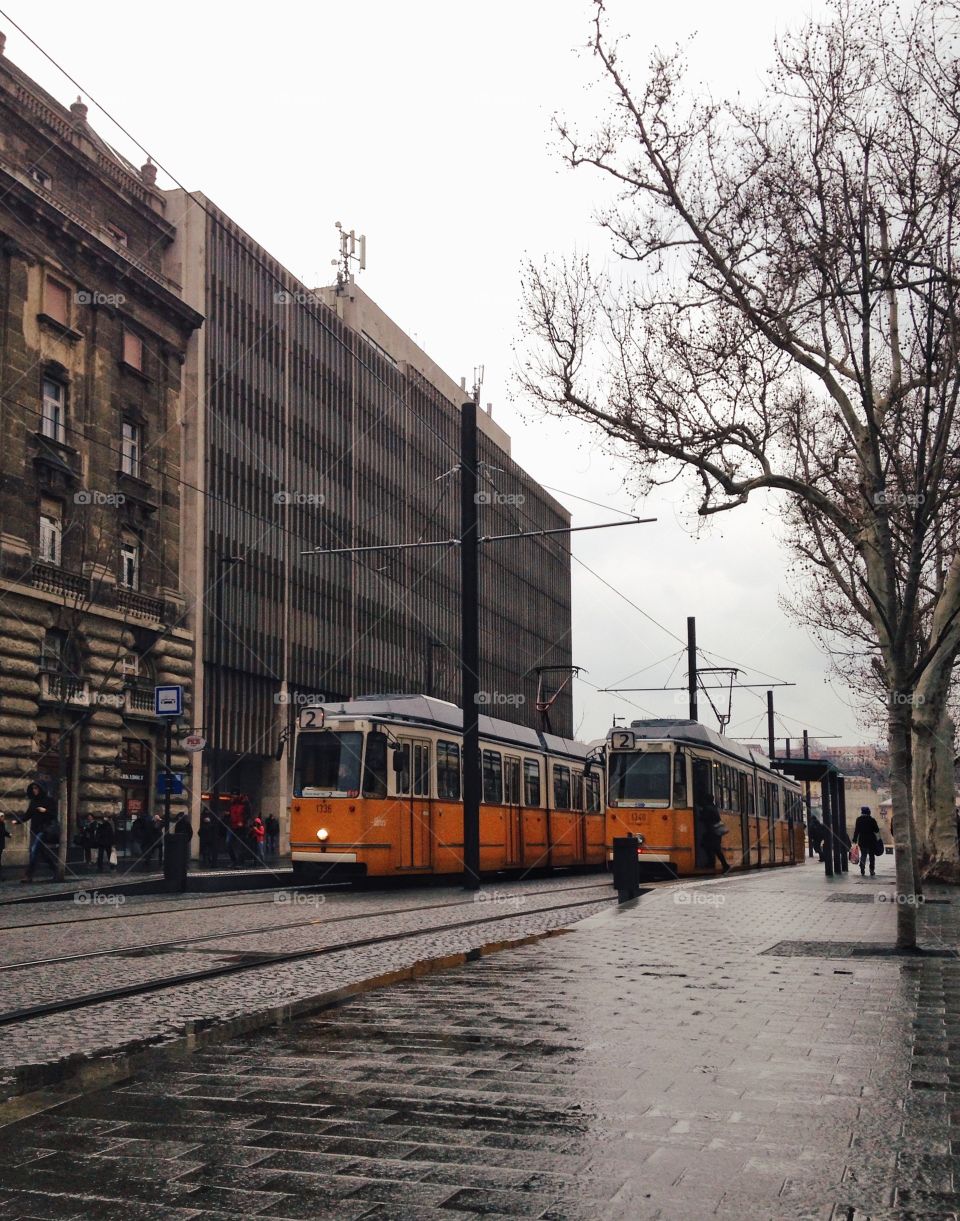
(93, 336)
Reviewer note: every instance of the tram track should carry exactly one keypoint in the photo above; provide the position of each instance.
(178, 942)
(265, 960)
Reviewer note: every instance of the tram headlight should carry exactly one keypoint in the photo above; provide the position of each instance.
(323, 834)
(640, 841)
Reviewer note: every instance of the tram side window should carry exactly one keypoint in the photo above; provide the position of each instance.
(421, 769)
(679, 779)
(592, 787)
(531, 782)
(561, 787)
(734, 790)
(775, 794)
(375, 766)
(511, 780)
(577, 791)
(403, 775)
(448, 771)
(492, 778)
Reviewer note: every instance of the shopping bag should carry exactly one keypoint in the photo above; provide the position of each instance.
(113, 857)
(855, 855)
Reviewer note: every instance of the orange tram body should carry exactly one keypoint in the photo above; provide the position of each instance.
(378, 793)
(658, 774)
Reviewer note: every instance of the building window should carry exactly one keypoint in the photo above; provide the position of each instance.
(56, 302)
(52, 420)
(132, 350)
(119, 235)
(130, 563)
(51, 531)
(53, 652)
(130, 448)
(40, 178)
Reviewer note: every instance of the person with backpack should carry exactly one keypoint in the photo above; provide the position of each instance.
(866, 834)
(258, 834)
(239, 816)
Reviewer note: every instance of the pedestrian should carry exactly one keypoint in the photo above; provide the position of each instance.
(41, 814)
(239, 816)
(272, 827)
(714, 829)
(209, 836)
(183, 826)
(258, 833)
(82, 839)
(817, 835)
(4, 834)
(155, 843)
(103, 838)
(866, 833)
(142, 833)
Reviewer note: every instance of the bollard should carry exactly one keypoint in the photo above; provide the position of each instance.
(176, 852)
(626, 867)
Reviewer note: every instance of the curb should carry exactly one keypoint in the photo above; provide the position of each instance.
(94, 1070)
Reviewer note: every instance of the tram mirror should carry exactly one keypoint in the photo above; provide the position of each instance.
(400, 759)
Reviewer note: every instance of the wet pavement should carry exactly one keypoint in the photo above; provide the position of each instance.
(674, 1058)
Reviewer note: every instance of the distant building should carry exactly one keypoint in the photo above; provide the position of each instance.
(93, 336)
(315, 421)
(851, 758)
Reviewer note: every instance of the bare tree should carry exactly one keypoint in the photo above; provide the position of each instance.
(784, 319)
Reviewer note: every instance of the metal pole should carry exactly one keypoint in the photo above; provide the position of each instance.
(771, 744)
(215, 718)
(840, 803)
(806, 755)
(828, 848)
(470, 645)
(692, 665)
(168, 776)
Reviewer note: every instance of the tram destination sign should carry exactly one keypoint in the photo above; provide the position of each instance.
(310, 718)
(623, 739)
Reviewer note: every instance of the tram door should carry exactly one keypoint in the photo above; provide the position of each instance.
(745, 786)
(513, 825)
(702, 788)
(413, 792)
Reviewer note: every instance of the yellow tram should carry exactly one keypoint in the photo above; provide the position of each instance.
(378, 793)
(658, 774)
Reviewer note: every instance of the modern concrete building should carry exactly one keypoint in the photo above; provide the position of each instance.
(316, 422)
(93, 333)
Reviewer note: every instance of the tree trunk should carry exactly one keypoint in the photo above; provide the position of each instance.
(898, 733)
(934, 791)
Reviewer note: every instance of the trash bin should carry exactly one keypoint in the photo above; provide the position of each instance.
(176, 853)
(626, 867)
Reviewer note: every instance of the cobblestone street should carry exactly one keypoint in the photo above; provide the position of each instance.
(699, 1052)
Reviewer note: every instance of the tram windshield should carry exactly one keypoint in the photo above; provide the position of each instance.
(640, 777)
(328, 764)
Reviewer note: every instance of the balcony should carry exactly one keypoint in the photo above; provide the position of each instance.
(58, 581)
(139, 606)
(64, 689)
(138, 701)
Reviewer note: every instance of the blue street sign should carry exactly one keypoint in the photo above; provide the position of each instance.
(169, 782)
(168, 701)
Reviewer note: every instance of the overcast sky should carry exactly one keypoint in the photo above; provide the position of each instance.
(426, 126)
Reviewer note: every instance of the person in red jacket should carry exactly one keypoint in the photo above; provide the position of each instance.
(239, 817)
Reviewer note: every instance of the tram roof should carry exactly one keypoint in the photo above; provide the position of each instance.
(432, 713)
(694, 733)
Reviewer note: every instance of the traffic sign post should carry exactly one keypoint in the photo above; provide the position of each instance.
(168, 702)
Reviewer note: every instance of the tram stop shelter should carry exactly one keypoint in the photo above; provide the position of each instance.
(833, 796)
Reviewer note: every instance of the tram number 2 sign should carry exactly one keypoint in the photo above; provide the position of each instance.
(311, 718)
(622, 739)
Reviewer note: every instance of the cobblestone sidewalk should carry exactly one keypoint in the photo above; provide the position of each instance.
(657, 1061)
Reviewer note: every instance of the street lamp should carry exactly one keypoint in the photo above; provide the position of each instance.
(215, 754)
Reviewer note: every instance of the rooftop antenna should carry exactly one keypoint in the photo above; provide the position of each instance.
(349, 254)
(477, 382)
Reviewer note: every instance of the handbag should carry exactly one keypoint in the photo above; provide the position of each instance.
(854, 855)
(879, 847)
(113, 857)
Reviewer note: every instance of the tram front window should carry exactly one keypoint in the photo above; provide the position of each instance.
(328, 764)
(640, 777)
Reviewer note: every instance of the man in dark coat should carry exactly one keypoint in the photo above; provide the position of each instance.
(817, 834)
(103, 838)
(866, 833)
(713, 831)
(40, 813)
